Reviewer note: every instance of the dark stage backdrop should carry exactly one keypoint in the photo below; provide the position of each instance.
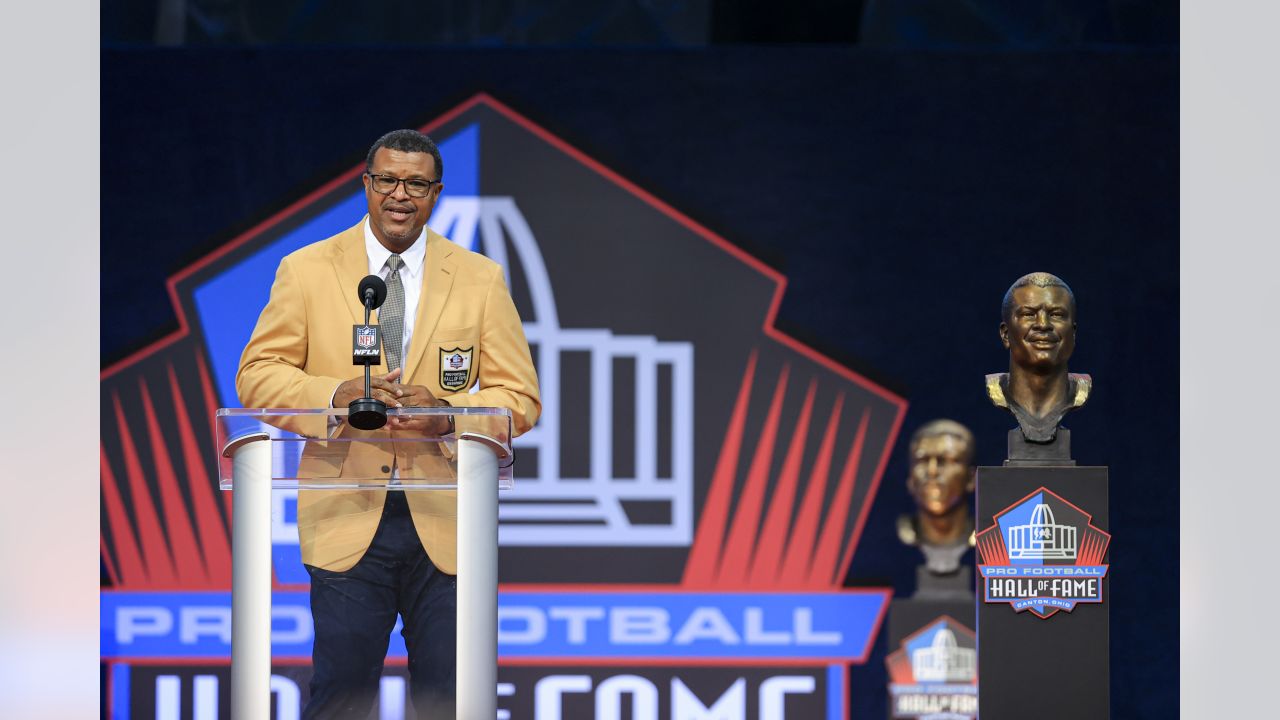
(899, 194)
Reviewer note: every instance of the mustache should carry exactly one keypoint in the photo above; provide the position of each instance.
(391, 205)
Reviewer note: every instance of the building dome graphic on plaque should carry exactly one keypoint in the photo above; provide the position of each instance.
(944, 660)
(1042, 538)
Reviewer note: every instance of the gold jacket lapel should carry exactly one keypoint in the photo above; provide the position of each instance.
(437, 282)
(437, 279)
(352, 265)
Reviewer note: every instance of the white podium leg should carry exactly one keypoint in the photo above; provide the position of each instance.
(477, 582)
(251, 582)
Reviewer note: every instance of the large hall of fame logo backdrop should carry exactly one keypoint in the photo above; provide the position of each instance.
(685, 509)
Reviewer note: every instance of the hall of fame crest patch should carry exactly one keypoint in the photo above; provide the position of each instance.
(455, 368)
(1043, 554)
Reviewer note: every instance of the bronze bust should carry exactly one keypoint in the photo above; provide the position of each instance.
(1038, 328)
(941, 483)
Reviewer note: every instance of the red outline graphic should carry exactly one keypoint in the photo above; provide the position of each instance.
(807, 558)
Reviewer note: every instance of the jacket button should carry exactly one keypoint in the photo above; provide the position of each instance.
(386, 468)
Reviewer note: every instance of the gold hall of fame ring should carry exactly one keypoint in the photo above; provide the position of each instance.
(455, 368)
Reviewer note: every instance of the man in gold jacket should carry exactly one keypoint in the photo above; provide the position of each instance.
(373, 554)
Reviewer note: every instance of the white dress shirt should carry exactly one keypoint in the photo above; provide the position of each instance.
(410, 276)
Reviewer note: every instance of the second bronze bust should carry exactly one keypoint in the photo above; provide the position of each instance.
(941, 483)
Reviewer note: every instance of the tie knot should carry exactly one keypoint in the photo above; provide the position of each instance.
(394, 262)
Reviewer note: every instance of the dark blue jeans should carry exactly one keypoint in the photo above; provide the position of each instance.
(355, 611)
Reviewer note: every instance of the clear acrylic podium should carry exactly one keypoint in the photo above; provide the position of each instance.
(315, 450)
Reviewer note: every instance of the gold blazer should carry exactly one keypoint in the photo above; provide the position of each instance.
(300, 351)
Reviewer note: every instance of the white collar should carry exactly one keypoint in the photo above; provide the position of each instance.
(413, 258)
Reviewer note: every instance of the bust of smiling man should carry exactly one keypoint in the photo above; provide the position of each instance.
(1038, 328)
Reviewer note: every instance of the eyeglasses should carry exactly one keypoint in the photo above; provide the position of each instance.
(414, 188)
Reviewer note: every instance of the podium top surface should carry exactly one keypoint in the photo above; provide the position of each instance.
(317, 449)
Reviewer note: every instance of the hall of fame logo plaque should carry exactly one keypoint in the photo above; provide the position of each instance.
(1043, 554)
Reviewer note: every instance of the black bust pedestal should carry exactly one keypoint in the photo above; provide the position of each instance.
(1055, 667)
(937, 596)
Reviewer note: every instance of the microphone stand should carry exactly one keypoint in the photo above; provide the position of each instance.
(368, 313)
(366, 413)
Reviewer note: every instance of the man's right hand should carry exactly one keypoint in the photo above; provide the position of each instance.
(382, 387)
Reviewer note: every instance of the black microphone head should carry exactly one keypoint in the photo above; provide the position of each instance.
(372, 284)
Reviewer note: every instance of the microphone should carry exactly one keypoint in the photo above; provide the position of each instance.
(367, 413)
(371, 293)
